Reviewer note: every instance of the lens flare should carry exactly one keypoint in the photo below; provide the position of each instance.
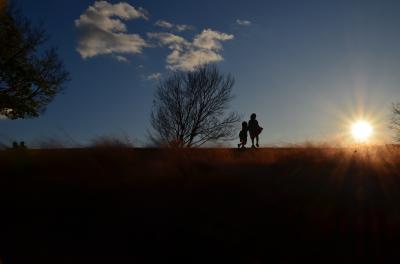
(361, 131)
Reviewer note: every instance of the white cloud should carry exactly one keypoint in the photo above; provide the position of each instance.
(186, 55)
(190, 59)
(210, 39)
(168, 25)
(174, 42)
(243, 22)
(154, 76)
(102, 31)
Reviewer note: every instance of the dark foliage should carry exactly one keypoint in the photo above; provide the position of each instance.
(191, 108)
(30, 76)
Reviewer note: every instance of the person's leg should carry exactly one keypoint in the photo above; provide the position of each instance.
(257, 141)
(241, 144)
(252, 142)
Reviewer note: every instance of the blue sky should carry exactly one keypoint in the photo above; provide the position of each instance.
(307, 68)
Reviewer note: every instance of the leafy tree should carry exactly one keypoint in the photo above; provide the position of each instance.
(30, 76)
(191, 108)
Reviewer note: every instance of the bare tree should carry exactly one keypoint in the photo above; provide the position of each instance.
(395, 121)
(190, 109)
(30, 76)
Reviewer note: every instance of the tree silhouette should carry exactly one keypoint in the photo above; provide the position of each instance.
(30, 76)
(395, 121)
(190, 109)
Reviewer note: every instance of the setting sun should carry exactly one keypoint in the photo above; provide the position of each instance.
(361, 131)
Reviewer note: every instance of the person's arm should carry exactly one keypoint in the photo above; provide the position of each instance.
(259, 128)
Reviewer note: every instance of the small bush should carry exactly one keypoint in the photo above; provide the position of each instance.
(111, 142)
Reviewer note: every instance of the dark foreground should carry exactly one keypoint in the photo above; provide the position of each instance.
(200, 206)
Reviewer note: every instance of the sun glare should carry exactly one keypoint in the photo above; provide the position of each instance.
(361, 131)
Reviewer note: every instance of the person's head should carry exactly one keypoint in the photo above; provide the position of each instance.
(253, 116)
(15, 144)
(244, 125)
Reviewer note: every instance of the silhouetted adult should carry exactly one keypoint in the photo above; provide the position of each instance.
(22, 145)
(254, 130)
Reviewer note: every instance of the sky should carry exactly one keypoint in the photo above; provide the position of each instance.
(307, 68)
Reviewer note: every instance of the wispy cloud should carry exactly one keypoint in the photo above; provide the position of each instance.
(210, 39)
(120, 58)
(168, 39)
(182, 27)
(164, 24)
(154, 76)
(243, 22)
(205, 48)
(168, 25)
(102, 30)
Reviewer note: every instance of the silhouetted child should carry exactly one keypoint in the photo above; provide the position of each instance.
(243, 136)
(254, 130)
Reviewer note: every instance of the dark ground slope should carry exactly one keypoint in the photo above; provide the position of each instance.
(200, 206)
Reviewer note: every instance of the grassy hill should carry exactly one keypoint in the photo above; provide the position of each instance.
(122, 205)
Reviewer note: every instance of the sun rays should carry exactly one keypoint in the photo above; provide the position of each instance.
(361, 131)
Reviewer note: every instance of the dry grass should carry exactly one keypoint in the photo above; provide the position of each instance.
(121, 205)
